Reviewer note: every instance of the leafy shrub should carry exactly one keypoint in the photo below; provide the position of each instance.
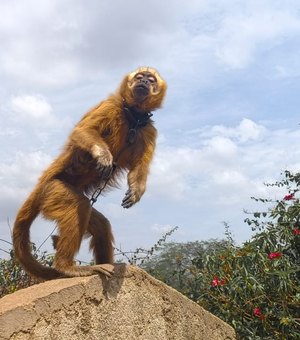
(13, 277)
(256, 287)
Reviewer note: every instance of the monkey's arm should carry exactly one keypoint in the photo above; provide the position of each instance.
(87, 136)
(137, 176)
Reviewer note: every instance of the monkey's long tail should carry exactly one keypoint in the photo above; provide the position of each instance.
(21, 240)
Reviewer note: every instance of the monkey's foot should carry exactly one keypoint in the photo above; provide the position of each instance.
(75, 271)
(106, 269)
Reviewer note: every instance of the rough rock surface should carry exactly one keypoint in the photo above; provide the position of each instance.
(132, 305)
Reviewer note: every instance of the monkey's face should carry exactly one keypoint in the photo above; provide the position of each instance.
(144, 88)
(142, 84)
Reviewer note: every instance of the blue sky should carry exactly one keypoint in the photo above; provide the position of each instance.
(230, 121)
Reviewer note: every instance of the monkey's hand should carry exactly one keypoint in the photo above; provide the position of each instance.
(104, 160)
(132, 195)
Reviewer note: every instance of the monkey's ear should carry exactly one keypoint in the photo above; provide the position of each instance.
(124, 86)
(125, 91)
(162, 85)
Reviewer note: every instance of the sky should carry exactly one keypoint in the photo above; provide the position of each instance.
(229, 124)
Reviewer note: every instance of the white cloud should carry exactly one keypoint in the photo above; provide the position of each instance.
(34, 110)
(221, 147)
(232, 169)
(9, 131)
(25, 168)
(247, 130)
(56, 43)
(61, 43)
(233, 34)
(257, 27)
(32, 107)
(18, 177)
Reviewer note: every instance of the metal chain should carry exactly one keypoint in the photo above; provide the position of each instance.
(99, 190)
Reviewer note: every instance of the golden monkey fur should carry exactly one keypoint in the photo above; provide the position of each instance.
(97, 142)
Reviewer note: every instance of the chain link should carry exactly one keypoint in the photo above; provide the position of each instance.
(99, 190)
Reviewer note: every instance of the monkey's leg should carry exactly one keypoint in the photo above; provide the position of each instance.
(102, 238)
(71, 210)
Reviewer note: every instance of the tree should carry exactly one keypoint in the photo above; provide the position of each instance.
(174, 263)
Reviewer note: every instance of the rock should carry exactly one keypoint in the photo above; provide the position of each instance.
(131, 305)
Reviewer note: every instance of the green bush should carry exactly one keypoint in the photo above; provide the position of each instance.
(13, 277)
(254, 287)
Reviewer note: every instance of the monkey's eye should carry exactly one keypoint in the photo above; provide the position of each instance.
(139, 76)
(152, 79)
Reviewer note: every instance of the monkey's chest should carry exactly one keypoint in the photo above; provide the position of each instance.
(126, 149)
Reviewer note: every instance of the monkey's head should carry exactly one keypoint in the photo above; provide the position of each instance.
(143, 89)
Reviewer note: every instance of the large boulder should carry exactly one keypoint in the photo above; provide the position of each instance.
(131, 305)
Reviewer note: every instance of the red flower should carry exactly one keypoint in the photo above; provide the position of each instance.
(273, 256)
(216, 282)
(289, 197)
(222, 282)
(296, 231)
(257, 312)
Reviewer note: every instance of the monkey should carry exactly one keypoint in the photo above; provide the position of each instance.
(116, 137)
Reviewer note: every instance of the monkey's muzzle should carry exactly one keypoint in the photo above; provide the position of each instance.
(141, 90)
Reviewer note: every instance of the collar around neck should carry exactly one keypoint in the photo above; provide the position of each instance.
(135, 117)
